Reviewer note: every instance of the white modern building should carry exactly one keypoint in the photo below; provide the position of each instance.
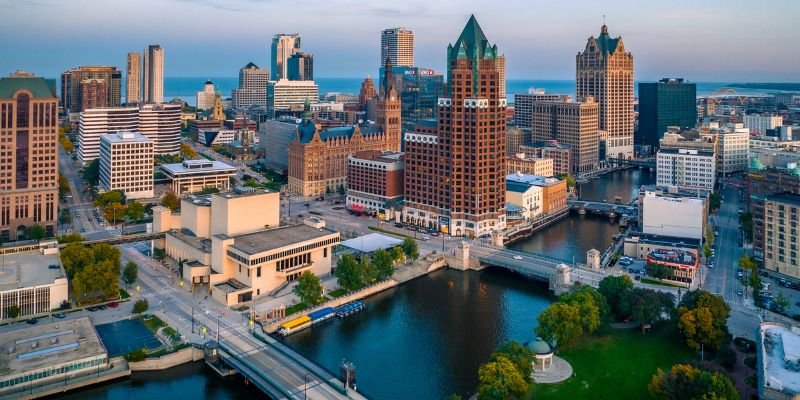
(283, 46)
(397, 44)
(252, 90)
(284, 95)
(192, 176)
(162, 124)
(733, 145)
(760, 124)
(205, 97)
(687, 169)
(97, 122)
(32, 282)
(126, 164)
(673, 216)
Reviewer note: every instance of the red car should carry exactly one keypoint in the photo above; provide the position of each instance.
(113, 304)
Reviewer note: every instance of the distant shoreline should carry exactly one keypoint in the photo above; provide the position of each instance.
(787, 86)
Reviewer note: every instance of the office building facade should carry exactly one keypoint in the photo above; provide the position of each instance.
(455, 179)
(419, 90)
(283, 46)
(604, 70)
(375, 182)
(29, 143)
(574, 124)
(153, 68)
(668, 102)
(205, 98)
(252, 90)
(162, 124)
(72, 90)
(761, 123)
(97, 122)
(300, 67)
(397, 44)
(686, 169)
(733, 146)
(781, 215)
(126, 164)
(133, 78)
(523, 106)
(285, 95)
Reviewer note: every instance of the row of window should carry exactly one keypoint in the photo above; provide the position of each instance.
(52, 372)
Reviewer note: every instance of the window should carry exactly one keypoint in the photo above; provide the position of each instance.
(258, 272)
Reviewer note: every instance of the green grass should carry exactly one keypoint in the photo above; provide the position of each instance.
(660, 283)
(295, 308)
(337, 293)
(153, 323)
(376, 229)
(206, 156)
(618, 365)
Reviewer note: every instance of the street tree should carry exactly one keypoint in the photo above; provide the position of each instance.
(369, 273)
(105, 251)
(349, 273)
(71, 238)
(341, 190)
(63, 186)
(135, 210)
(171, 201)
(110, 197)
(91, 172)
(75, 257)
(410, 249)
(657, 271)
(746, 221)
(13, 312)
(782, 302)
(587, 305)
(616, 289)
(130, 273)
(397, 254)
(382, 261)
(140, 306)
(499, 379)
(64, 216)
(684, 381)
(187, 151)
(114, 213)
(35, 232)
(561, 323)
(309, 289)
(95, 278)
(649, 306)
(702, 319)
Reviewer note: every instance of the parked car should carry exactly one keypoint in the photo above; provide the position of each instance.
(740, 293)
(518, 257)
(32, 321)
(398, 225)
(91, 309)
(59, 315)
(426, 237)
(103, 307)
(637, 277)
(113, 304)
(434, 234)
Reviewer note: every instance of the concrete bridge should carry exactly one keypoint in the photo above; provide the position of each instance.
(597, 207)
(640, 162)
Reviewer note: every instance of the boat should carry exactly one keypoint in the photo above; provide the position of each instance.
(348, 309)
(321, 315)
(295, 325)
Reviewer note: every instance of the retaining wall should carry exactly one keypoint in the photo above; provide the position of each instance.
(184, 356)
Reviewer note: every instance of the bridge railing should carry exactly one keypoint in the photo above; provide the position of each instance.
(237, 359)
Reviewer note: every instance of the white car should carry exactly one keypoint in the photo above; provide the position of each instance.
(426, 237)
(518, 257)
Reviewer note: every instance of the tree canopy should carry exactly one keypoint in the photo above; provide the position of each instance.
(135, 210)
(383, 262)
(349, 273)
(309, 289)
(616, 290)
(520, 355)
(499, 379)
(130, 273)
(685, 382)
(110, 197)
(702, 319)
(648, 306)
(591, 305)
(171, 201)
(561, 322)
(410, 249)
(35, 232)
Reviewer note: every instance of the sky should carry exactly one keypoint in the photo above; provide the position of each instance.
(700, 40)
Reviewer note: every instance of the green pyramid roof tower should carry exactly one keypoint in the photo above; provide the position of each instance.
(472, 43)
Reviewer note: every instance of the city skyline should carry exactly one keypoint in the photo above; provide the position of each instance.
(544, 49)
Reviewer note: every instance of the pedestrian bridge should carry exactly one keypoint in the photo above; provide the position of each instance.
(599, 207)
(639, 162)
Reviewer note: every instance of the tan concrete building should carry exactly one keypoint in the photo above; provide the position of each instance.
(604, 70)
(554, 191)
(397, 44)
(133, 78)
(192, 176)
(126, 164)
(781, 214)
(233, 242)
(33, 281)
(29, 156)
(318, 157)
(515, 139)
(522, 164)
(153, 68)
(570, 123)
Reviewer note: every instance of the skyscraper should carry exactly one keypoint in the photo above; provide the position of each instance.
(668, 102)
(455, 177)
(398, 44)
(570, 123)
(29, 128)
(153, 74)
(501, 70)
(205, 97)
(72, 87)
(604, 70)
(366, 93)
(133, 78)
(283, 46)
(300, 67)
(252, 90)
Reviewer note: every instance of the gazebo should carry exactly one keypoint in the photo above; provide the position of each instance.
(543, 353)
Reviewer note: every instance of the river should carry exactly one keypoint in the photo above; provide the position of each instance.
(424, 339)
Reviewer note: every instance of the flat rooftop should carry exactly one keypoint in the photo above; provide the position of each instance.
(372, 242)
(197, 242)
(30, 269)
(46, 345)
(193, 166)
(537, 180)
(243, 191)
(125, 137)
(638, 237)
(271, 239)
(779, 355)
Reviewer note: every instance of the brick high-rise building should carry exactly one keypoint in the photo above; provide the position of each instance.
(133, 78)
(367, 92)
(29, 148)
(455, 178)
(94, 93)
(72, 86)
(604, 70)
(570, 123)
(318, 157)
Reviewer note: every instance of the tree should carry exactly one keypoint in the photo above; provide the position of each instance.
(187, 151)
(687, 382)
(114, 212)
(588, 307)
(66, 144)
(382, 261)
(650, 306)
(75, 257)
(110, 197)
(63, 186)
(64, 216)
(397, 254)
(714, 201)
(349, 273)
(747, 263)
(707, 250)
(782, 302)
(309, 289)
(410, 249)
(369, 274)
(70, 238)
(105, 251)
(520, 355)
(35, 232)
(746, 221)
(13, 311)
(159, 254)
(568, 178)
(499, 379)
(341, 189)
(135, 210)
(91, 172)
(97, 277)
(700, 328)
(130, 273)
(561, 323)
(616, 289)
(657, 271)
(140, 306)
(171, 201)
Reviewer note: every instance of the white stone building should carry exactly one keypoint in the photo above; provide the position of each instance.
(687, 169)
(126, 164)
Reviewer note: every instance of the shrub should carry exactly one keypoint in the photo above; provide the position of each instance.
(750, 362)
(140, 306)
(136, 355)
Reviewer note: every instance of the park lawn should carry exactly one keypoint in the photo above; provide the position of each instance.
(295, 308)
(337, 293)
(376, 229)
(619, 365)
